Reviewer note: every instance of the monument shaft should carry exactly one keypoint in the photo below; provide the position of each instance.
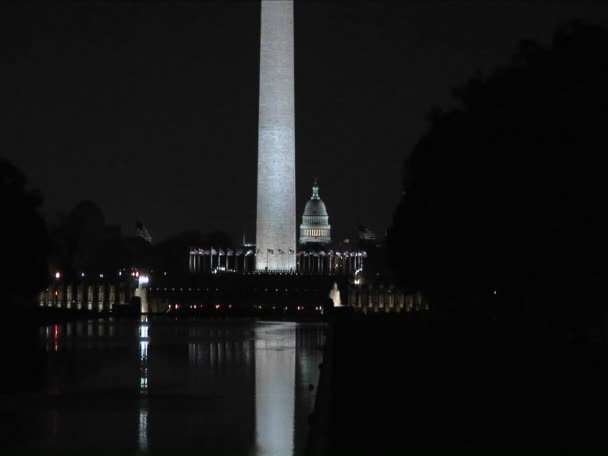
(276, 197)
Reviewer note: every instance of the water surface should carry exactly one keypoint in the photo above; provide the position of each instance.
(172, 386)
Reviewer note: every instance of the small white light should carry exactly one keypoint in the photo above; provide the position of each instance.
(57, 275)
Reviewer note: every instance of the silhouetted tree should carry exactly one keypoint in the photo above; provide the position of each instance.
(83, 242)
(23, 238)
(76, 238)
(172, 253)
(506, 191)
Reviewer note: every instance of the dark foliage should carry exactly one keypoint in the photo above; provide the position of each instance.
(172, 253)
(83, 242)
(506, 192)
(23, 236)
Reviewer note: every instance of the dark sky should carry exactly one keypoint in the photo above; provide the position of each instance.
(150, 108)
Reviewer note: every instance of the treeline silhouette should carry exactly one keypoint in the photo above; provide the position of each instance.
(503, 196)
(24, 240)
(79, 242)
(500, 225)
(24, 247)
(82, 242)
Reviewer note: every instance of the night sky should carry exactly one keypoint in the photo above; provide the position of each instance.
(150, 109)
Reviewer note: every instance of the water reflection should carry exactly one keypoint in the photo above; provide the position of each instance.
(143, 355)
(142, 441)
(275, 369)
(238, 387)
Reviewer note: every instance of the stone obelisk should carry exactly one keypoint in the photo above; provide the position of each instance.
(276, 201)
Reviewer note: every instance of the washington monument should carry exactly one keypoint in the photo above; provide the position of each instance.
(276, 199)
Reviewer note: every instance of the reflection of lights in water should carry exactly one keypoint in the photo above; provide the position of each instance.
(143, 327)
(143, 366)
(275, 369)
(143, 383)
(195, 354)
(143, 429)
(143, 351)
(143, 355)
(56, 338)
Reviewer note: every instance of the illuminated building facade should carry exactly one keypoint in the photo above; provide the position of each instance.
(315, 227)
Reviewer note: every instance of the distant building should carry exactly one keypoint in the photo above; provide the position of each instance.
(365, 234)
(315, 227)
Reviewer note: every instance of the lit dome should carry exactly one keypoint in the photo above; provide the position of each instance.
(315, 207)
(315, 227)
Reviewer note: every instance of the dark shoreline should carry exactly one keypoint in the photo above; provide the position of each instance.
(423, 384)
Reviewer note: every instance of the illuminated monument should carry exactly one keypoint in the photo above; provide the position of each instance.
(276, 197)
(276, 227)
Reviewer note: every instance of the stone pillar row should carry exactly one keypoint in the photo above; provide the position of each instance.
(85, 296)
(384, 300)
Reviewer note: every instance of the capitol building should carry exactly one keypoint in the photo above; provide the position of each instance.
(315, 227)
(316, 254)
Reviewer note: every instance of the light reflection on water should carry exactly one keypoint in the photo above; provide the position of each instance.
(238, 387)
(275, 351)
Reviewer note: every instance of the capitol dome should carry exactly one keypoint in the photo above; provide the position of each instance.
(315, 227)
(315, 207)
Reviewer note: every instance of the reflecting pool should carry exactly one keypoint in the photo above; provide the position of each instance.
(172, 386)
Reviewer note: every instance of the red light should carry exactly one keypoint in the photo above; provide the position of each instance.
(177, 306)
(217, 306)
(56, 331)
(56, 293)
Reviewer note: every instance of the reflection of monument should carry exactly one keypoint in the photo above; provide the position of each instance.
(275, 371)
(276, 198)
(315, 227)
(143, 384)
